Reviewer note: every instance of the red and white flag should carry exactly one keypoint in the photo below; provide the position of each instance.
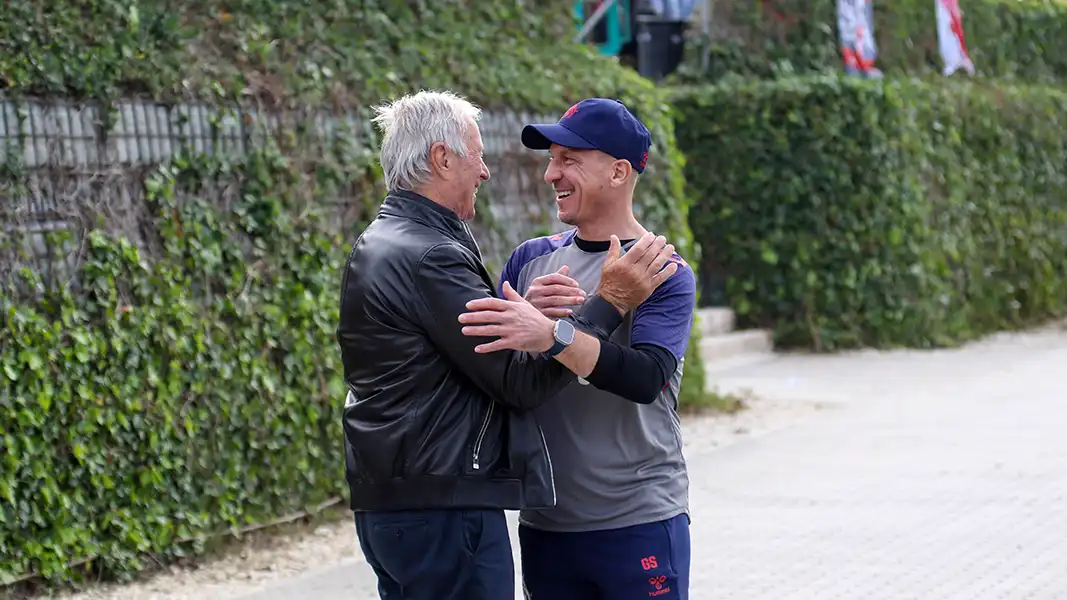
(950, 37)
(855, 27)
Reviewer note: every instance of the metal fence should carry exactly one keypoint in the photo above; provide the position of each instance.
(79, 167)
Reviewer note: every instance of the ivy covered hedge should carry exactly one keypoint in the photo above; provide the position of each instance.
(140, 414)
(1023, 39)
(848, 213)
(193, 387)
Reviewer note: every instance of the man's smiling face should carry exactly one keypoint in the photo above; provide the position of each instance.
(580, 178)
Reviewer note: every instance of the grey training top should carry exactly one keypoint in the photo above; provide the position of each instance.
(616, 463)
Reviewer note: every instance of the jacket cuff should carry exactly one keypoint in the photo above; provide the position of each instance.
(596, 316)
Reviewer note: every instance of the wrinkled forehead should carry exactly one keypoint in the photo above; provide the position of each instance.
(473, 136)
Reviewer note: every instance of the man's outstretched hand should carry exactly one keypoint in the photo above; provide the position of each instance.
(517, 323)
(628, 280)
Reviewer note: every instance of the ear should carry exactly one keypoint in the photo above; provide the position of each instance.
(620, 172)
(440, 159)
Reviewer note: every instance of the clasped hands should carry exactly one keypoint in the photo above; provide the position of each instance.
(526, 324)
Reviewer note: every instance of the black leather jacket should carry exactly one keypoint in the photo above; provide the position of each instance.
(428, 422)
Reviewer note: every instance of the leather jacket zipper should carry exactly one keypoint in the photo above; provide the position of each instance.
(548, 455)
(481, 434)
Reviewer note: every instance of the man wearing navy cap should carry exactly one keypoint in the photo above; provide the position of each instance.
(620, 527)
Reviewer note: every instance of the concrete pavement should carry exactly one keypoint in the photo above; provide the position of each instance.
(932, 475)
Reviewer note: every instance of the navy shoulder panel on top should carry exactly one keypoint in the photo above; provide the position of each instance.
(665, 319)
(529, 250)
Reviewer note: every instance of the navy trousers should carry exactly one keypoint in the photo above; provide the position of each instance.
(438, 554)
(638, 562)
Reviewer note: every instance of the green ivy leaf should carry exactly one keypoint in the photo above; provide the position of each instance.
(79, 451)
(32, 360)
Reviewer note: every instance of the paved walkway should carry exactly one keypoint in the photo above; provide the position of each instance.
(933, 476)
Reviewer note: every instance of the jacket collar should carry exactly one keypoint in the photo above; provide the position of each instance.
(411, 205)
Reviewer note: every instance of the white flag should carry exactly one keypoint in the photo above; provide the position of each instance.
(950, 37)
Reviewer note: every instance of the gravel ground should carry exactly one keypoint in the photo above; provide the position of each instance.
(289, 551)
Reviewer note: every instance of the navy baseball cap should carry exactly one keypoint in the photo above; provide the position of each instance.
(595, 124)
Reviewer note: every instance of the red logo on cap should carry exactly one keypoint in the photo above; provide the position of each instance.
(570, 112)
(644, 159)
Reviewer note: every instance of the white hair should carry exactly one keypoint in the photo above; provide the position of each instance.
(412, 124)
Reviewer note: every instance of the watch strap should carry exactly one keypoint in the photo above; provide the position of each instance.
(597, 316)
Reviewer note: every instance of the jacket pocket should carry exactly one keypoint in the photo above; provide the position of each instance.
(375, 442)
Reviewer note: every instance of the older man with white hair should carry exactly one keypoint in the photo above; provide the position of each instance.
(438, 433)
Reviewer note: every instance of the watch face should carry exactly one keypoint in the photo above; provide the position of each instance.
(564, 332)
